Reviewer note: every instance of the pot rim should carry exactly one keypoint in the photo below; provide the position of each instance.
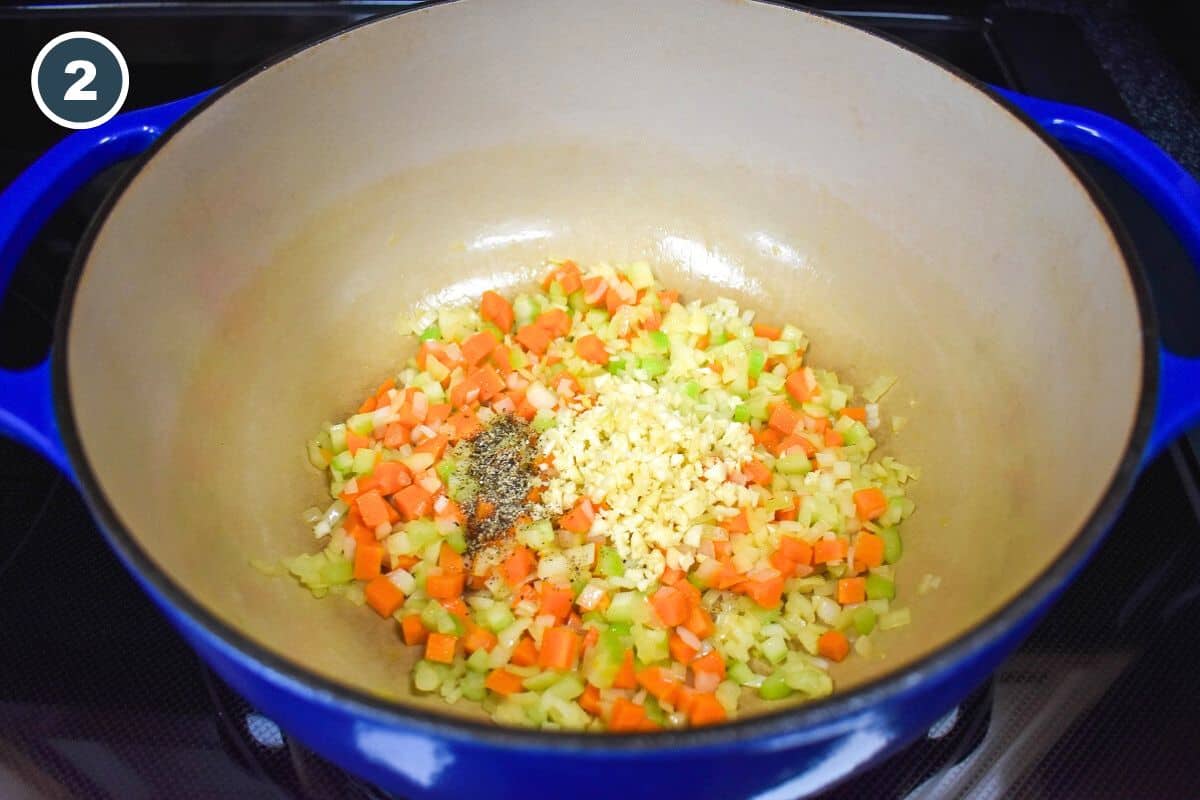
(804, 719)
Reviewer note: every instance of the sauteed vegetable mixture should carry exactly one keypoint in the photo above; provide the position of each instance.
(598, 506)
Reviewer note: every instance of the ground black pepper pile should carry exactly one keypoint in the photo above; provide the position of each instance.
(498, 467)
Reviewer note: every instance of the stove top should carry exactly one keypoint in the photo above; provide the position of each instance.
(100, 698)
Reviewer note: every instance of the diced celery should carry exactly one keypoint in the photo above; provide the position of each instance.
(659, 341)
(495, 617)
(774, 687)
(364, 461)
(524, 309)
(339, 570)
(740, 672)
(892, 547)
(864, 619)
(428, 676)
(431, 332)
(773, 648)
(596, 318)
(880, 588)
(611, 565)
(617, 364)
(741, 413)
(640, 275)
(895, 619)
(855, 432)
(576, 302)
(362, 424)
(472, 685)
(542, 681)
(650, 644)
(337, 437)
(624, 606)
(457, 539)
(653, 366)
(807, 679)
(342, 462)
(478, 661)
(315, 456)
(692, 389)
(757, 359)
(795, 464)
(445, 469)
(421, 533)
(654, 711)
(757, 405)
(568, 687)
(544, 420)
(538, 535)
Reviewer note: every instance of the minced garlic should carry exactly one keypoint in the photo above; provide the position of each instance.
(655, 469)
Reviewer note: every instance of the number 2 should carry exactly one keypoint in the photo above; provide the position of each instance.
(78, 90)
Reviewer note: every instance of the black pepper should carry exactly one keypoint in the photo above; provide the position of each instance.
(497, 466)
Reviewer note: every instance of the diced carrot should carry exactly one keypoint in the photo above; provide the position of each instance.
(767, 594)
(370, 404)
(589, 701)
(671, 606)
(591, 348)
(789, 514)
(700, 622)
(833, 438)
(479, 638)
(670, 577)
(354, 441)
(782, 563)
(710, 662)
(484, 509)
(449, 560)
(519, 564)
(668, 297)
(413, 502)
(413, 629)
(758, 472)
(626, 676)
(560, 648)
(446, 586)
(790, 443)
(833, 645)
(503, 682)
(566, 275)
(355, 527)
(659, 682)
(396, 435)
(768, 438)
(870, 503)
(797, 386)
(767, 331)
(627, 716)
(706, 710)
(556, 601)
(373, 508)
(437, 414)
(825, 550)
(722, 549)
(784, 419)
(556, 321)
(680, 650)
(851, 590)
(578, 519)
(383, 595)
(858, 412)
(497, 310)
(478, 346)
(525, 654)
(613, 300)
(489, 381)
(534, 338)
(740, 523)
(368, 559)
(464, 422)
(868, 550)
(702, 342)
(392, 476)
(795, 549)
(439, 647)
(407, 414)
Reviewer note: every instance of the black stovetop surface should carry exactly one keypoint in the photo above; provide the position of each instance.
(100, 698)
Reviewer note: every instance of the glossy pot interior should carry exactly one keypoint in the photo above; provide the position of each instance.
(245, 286)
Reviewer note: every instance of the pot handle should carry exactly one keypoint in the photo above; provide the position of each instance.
(1174, 194)
(26, 405)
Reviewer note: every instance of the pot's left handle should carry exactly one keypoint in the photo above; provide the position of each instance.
(26, 407)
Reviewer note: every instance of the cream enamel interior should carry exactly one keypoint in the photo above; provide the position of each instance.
(245, 286)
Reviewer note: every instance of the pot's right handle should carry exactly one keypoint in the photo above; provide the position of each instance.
(1175, 194)
(26, 406)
